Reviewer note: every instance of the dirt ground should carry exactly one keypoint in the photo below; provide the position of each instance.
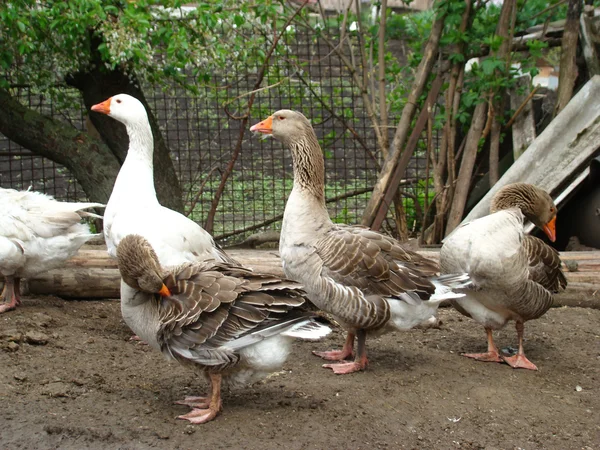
(71, 379)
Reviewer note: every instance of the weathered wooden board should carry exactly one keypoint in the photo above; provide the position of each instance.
(92, 274)
(562, 151)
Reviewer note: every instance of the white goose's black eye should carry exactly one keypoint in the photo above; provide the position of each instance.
(281, 117)
(118, 101)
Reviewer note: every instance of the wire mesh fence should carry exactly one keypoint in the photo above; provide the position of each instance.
(202, 134)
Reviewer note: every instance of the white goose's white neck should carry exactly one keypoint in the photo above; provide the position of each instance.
(135, 182)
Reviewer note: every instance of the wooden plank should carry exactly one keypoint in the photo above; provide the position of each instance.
(557, 155)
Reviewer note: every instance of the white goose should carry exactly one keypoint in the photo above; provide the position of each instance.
(37, 234)
(133, 207)
(364, 278)
(220, 319)
(514, 275)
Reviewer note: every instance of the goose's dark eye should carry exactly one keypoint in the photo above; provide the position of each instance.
(281, 117)
(118, 101)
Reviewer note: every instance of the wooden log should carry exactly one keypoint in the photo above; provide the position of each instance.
(267, 261)
(77, 282)
(92, 274)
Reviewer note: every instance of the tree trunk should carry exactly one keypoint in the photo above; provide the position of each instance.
(383, 115)
(445, 162)
(463, 181)
(88, 159)
(96, 85)
(568, 65)
(494, 174)
(389, 165)
(504, 30)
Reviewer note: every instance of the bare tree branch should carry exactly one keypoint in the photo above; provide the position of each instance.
(244, 123)
(421, 77)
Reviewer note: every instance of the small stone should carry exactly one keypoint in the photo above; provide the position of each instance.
(11, 335)
(77, 382)
(314, 405)
(189, 429)
(20, 377)
(12, 346)
(572, 266)
(42, 320)
(578, 388)
(56, 389)
(162, 435)
(36, 338)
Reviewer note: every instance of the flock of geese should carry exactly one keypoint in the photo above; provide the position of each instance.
(183, 295)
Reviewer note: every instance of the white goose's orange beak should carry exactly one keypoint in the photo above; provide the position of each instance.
(550, 229)
(266, 126)
(164, 291)
(103, 107)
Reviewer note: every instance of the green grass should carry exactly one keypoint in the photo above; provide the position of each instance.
(249, 199)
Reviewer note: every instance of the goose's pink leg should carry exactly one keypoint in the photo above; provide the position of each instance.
(207, 411)
(10, 296)
(360, 363)
(194, 402)
(492, 355)
(519, 361)
(339, 355)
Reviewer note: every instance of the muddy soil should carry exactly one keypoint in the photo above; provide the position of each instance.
(70, 378)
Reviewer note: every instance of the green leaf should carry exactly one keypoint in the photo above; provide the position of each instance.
(238, 20)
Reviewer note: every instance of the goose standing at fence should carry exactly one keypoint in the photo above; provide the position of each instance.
(133, 207)
(365, 279)
(514, 275)
(37, 234)
(223, 320)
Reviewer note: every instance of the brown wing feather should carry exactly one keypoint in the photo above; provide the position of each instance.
(544, 264)
(374, 263)
(214, 303)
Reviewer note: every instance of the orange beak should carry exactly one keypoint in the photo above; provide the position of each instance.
(103, 107)
(266, 126)
(550, 229)
(164, 291)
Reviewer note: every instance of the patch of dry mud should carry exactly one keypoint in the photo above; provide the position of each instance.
(71, 379)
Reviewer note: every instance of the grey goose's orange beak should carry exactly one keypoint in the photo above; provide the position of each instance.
(550, 229)
(103, 107)
(265, 127)
(164, 291)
